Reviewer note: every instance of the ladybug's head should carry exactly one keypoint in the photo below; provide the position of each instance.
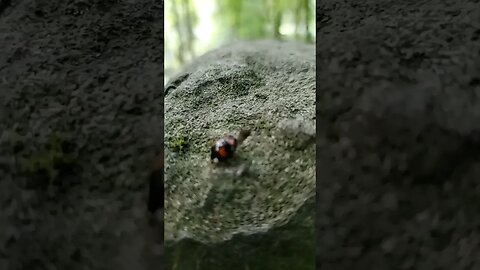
(232, 141)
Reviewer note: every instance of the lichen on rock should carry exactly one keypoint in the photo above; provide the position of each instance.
(268, 87)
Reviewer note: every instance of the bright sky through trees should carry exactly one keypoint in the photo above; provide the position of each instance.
(193, 27)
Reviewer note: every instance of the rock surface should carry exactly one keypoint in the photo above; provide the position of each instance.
(265, 86)
(80, 118)
(398, 149)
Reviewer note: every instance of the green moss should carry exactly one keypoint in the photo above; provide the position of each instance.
(288, 247)
(49, 163)
(178, 144)
(273, 170)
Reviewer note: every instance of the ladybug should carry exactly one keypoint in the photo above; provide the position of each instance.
(223, 149)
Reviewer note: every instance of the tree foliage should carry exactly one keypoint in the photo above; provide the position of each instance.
(233, 20)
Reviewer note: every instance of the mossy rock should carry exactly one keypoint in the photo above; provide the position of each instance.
(267, 87)
(291, 246)
(54, 159)
(178, 144)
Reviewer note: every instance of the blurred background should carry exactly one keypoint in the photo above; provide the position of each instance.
(193, 27)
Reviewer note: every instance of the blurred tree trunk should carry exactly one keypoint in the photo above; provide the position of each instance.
(190, 37)
(177, 23)
(308, 35)
(277, 24)
(237, 23)
(298, 18)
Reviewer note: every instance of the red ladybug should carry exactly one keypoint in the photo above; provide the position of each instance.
(223, 149)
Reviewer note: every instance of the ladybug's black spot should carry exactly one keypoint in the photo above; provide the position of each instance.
(213, 153)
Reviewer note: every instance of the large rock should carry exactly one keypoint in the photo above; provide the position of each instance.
(266, 86)
(87, 75)
(398, 135)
